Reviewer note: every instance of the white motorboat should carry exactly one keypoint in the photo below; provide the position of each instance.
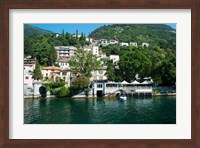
(123, 97)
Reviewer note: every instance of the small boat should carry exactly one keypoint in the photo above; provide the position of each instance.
(122, 98)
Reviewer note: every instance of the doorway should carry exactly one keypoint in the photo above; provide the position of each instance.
(99, 93)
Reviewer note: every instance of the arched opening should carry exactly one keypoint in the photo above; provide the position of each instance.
(43, 91)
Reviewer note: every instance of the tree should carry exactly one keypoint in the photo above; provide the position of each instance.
(110, 71)
(168, 70)
(132, 63)
(44, 52)
(37, 75)
(156, 55)
(76, 35)
(84, 63)
(80, 83)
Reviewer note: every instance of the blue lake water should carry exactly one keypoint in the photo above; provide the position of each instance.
(143, 110)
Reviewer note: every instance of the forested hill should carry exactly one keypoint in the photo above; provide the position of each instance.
(155, 34)
(31, 30)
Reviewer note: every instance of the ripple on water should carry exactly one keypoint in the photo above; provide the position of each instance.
(100, 111)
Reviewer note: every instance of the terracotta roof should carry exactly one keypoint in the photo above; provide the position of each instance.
(61, 61)
(101, 52)
(28, 64)
(66, 68)
(51, 68)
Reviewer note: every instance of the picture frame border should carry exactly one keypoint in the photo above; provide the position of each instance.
(6, 5)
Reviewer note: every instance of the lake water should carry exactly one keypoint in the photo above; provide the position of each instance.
(143, 110)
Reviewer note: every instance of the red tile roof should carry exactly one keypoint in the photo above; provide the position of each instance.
(61, 61)
(65, 69)
(51, 68)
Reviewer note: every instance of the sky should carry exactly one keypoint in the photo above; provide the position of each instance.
(71, 28)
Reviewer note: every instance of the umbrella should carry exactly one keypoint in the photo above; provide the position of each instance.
(124, 82)
(135, 82)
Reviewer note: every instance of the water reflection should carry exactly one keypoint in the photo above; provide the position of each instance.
(100, 111)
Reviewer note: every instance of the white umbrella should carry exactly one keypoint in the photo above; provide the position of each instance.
(145, 82)
(135, 82)
(124, 82)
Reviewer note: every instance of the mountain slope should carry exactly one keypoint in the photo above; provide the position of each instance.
(155, 34)
(30, 30)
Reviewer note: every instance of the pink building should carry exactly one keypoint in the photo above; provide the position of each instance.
(29, 66)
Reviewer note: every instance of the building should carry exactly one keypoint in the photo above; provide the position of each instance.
(56, 73)
(57, 34)
(114, 58)
(95, 50)
(51, 72)
(104, 88)
(133, 44)
(79, 35)
(95, 42)
(124, 44)
(99, 74)
(103, 42)
(89, 40)
(113, 42)
(62, 63)
(92, 48)
(102, 54)
(65, 52)
(145, 44)
(29, 66)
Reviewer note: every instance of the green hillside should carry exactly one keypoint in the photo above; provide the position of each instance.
(31, 30)
(155, 34)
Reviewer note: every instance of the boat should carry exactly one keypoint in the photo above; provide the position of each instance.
(122, 98)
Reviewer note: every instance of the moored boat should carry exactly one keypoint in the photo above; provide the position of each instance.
(123, 97)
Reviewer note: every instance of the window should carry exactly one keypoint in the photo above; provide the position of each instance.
(99, 85)
(100, 71)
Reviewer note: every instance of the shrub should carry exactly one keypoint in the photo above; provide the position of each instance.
(63, 92)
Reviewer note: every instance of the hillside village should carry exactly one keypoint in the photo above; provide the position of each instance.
(62, 71)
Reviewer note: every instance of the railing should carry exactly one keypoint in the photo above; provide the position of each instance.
(135, 89)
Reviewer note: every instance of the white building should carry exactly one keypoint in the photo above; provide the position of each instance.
(57, 34)
(95, 50)
(89, 40)
(102, 88)
(29, 66)
(79, 35)
(124, 44)
(114, 58)
(133, 44)
(103, 42)
(99, 74)
(145, 44)
(62, 63)
(92, 48)
(94, 42)
(113, 42)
